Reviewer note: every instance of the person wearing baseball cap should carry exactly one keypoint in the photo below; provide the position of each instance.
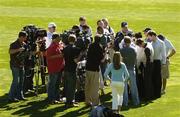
(51, 29)
(125, 31)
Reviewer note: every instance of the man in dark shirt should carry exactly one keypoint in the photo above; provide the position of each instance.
(125, 31)
(17, 66)
(72, 56)
(129, 58)
(95, 56)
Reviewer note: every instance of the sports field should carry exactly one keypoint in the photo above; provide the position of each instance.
(162, 15)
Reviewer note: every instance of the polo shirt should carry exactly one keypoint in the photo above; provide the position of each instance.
(14, 59)
(70, 53)
(56, 64)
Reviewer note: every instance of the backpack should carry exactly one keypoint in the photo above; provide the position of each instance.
(102, 111)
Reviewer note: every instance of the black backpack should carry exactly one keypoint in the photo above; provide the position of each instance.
(102, 111)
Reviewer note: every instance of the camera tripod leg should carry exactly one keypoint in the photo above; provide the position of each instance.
(37, 83)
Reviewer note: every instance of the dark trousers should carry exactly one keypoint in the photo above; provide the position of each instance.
(148, 81)
(156, 78)
(43, 75)
(70, 86)
(140, 81)
(28, 81)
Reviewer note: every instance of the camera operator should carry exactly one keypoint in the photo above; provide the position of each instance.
(104, 32)
(83, 21)
(17, 67)
(108, 29)
(51, 29)
(41, 54)
(83, 39)
(105, 40)
(79, 42)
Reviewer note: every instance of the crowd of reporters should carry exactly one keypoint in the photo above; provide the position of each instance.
(136, 67)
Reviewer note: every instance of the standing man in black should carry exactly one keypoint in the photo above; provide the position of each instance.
(159, 59)
(17, 57)
(95, 56)
(71, 57)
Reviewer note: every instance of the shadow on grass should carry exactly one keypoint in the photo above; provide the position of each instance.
(35, 109)
(4, 104)
(41, 90)
(40, 107)
(105, 100)
(4, 101)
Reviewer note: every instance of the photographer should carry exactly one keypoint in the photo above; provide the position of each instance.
(17, 67)
(41, 56)
(83, 21)
(108, 29)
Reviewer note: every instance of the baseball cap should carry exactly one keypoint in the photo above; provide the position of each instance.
(147, 29)
(51, 25)
(124, 24)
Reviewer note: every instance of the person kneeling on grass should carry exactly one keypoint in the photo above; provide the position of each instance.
(119, 76)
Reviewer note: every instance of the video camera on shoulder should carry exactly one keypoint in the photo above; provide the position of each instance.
(33, 34)
(41, 42)
(64, 36)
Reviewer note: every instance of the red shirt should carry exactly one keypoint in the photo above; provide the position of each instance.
(54, 64)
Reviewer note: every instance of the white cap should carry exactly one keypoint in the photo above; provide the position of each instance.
(51, 24)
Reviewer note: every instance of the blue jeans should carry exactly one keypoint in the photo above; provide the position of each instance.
(53, 86)
(16, 90)
(133, 89)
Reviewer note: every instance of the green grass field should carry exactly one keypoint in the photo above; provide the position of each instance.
(162, 15)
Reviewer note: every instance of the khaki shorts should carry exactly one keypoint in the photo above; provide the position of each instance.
(165, 71)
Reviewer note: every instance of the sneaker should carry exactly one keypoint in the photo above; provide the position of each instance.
(163, 92)
(13, 100)
(54, 102)
(24, 99)
(71, 105)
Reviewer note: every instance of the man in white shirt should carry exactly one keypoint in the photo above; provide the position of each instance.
(170, 51)
(51, 29)
(159, 59)
(145, 54)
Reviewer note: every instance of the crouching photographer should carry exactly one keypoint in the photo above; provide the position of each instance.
(18, 54)
(35, 63)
